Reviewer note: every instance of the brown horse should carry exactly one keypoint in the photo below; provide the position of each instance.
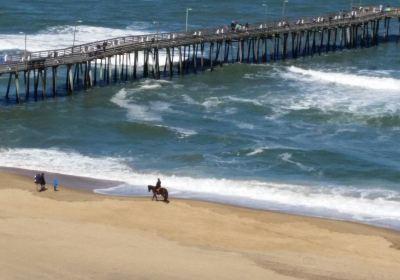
(161, 191)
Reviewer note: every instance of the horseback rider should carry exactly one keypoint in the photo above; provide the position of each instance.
(158, 185)
(158, 190)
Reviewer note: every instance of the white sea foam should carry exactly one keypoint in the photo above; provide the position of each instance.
(260, 149)
(214, 101)
(183, 132)
(343, 202)
(244, 100)
(189, 100)
(211, 102)
(255, 152)
(154, 86)
(287, 157)
(134, 111)
(378, 96)
(150, 112)
(58, 37)
(347, 79)
(244, 125)
(148, 84)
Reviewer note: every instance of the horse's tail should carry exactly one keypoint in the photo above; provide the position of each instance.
(166, 196)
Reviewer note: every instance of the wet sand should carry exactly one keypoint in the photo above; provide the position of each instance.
(76, 234)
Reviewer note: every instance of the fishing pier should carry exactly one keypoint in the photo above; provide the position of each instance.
(46, 73)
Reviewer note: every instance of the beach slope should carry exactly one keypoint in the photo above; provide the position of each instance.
(73, 234)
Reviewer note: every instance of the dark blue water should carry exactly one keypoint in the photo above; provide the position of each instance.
(316, 136)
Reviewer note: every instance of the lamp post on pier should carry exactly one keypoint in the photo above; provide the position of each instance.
(157, 24)
(284, 8)
(187, 17)
(25, 44)
(76, 24)
(265, 11)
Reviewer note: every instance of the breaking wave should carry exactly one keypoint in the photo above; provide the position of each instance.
(347, 79)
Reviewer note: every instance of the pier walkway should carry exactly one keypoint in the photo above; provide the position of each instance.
(132, 57)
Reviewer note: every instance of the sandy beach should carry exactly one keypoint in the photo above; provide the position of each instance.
(73, 234)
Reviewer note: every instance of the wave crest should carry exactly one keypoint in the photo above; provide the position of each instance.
(363, 81)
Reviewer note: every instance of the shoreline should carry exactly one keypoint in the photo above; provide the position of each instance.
(90, 185)
(75, 182)
(122, 237)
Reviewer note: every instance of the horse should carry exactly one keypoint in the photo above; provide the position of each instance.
(161, 191)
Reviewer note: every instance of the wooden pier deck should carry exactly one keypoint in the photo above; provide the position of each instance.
(117, 59)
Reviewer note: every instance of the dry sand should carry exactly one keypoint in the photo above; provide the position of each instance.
(73, 234)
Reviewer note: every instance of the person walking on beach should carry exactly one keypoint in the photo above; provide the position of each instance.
(42, 182)
(55, 184)
(37, 180)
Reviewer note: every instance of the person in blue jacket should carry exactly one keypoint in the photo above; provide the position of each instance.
(55, 184)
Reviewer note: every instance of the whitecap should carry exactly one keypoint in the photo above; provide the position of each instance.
(135, 111)
(347, 79)
(287, 157)
(309, 90)
(255, 152)
(183, 132)
(243, 125)
(244, 100)
(211, 102)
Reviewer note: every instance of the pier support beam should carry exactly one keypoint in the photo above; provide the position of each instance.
(180, 69)
(70, 79)
(54, 76)
(17, 88)
(398, 35)
(9, 85)
(135, 62)
(202, 56)
(27, 76)
(43, 75)
(210, 56)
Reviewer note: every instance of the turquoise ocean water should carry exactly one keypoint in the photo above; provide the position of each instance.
(316, 136)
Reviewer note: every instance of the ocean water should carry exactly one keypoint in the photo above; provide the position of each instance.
(315, 136)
